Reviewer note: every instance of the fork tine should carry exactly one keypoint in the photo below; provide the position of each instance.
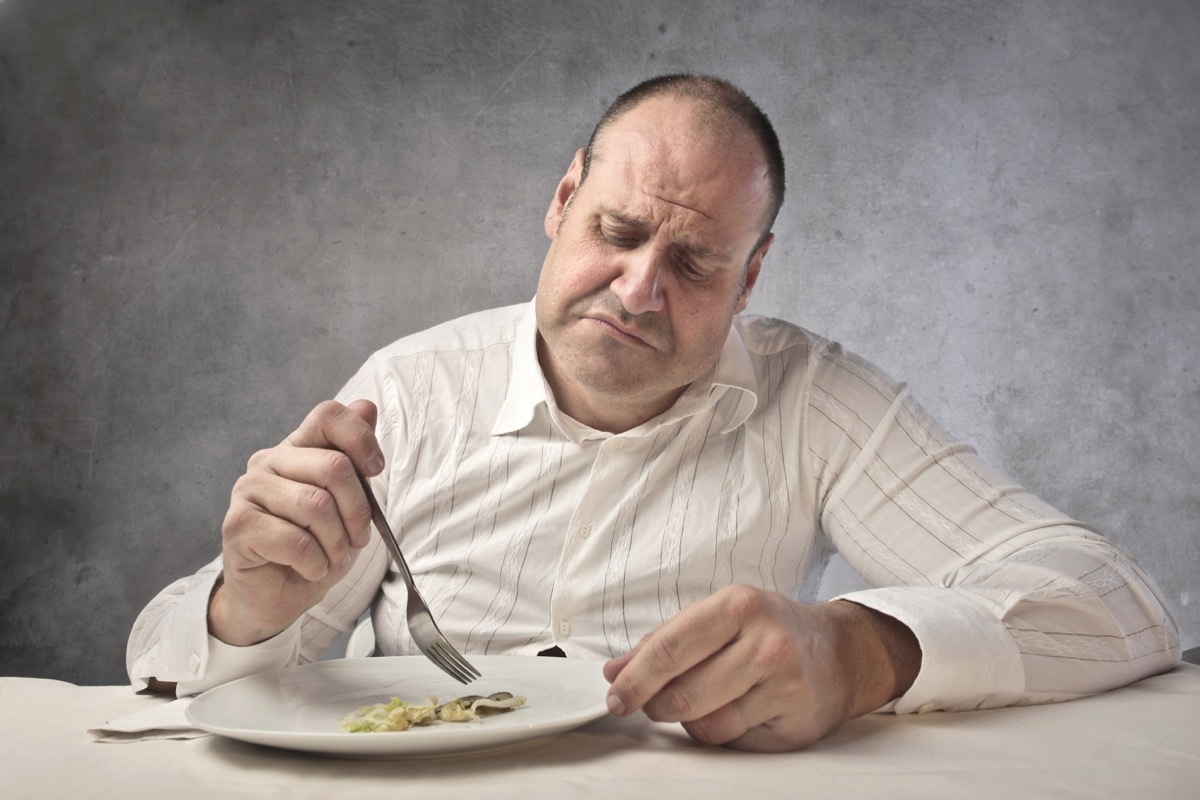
(433, 643)
(457, 659)
(438, 655)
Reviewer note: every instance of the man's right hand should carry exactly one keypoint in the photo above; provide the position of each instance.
(295, 521)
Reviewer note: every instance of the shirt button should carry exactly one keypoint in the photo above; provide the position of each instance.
(194, 663)
(619, 444)
(564, 628)
(585, 530)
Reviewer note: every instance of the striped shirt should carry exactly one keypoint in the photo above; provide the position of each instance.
(527, 530)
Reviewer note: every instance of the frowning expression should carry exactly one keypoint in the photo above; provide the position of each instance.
(651, 257)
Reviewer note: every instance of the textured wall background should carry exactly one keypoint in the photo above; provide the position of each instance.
(211, 212)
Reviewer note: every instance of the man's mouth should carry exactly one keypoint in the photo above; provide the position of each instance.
(620, 331)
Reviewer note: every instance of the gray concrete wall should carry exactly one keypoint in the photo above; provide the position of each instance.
(211, 212)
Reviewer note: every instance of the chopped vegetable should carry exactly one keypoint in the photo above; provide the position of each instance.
(397, 715)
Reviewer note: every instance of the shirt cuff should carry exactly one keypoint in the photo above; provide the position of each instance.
(968, 658)
(198, 661)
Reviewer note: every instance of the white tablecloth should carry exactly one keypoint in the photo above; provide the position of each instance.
(1137, 743)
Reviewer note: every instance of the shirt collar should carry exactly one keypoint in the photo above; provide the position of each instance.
(526, 385)
(733, 373)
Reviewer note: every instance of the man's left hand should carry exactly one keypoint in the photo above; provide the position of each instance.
(753, 670)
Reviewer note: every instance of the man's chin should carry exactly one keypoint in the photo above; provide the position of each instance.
(615, 377)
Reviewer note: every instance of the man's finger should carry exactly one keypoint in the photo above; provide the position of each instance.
(612, 668)
(279, 541)
(311, 471)
(734, 720)
(727, 676)
(334, 426)
(700, 630)
(758, 721)
(365, 409)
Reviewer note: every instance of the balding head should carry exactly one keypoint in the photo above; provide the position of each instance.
(722, 109)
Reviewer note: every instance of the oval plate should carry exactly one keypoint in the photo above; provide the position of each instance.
(299, 708)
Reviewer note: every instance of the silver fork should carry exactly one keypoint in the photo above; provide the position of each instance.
(421, 626)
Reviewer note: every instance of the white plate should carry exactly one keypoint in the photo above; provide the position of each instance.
(299, 708)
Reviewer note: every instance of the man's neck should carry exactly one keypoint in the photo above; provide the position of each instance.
(611, 414)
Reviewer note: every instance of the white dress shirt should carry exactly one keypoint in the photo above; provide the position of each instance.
(526, 529)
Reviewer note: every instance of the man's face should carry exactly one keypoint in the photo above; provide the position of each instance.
(650, 259)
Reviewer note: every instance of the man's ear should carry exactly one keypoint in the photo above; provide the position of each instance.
(564, 193)
(752, 270)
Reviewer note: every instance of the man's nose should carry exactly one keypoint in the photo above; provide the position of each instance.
(639, 286)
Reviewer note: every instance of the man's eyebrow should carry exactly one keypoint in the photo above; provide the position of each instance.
(693, 248)
(624, 219)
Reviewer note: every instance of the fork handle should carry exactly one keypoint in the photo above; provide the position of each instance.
(385, 533)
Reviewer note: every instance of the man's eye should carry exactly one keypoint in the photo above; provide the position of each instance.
(618, 240)
(690, 270)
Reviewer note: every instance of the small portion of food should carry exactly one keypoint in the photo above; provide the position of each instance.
(471, 707)
(397, 715)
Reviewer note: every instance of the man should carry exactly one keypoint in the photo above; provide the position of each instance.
(630, 470)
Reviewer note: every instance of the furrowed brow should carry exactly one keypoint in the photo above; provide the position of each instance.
(624, 219)
(694, 249)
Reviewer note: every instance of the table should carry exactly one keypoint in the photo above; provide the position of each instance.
(1141, 742)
